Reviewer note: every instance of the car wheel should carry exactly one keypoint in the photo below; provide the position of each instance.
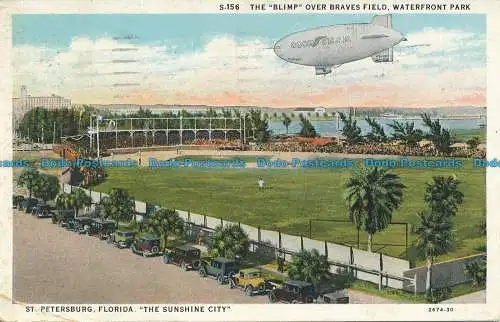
(232, 283)
(249, 290)
(155, 249)
(309, 300)
(166, 259)
(196, 265)
(203, 272)
(272, 297)
(220, 279)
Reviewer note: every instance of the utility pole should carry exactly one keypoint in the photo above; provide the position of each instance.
(97, 127)
(54, 135)
(91, 131)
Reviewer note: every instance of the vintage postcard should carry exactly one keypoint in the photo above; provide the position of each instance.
(232, 160)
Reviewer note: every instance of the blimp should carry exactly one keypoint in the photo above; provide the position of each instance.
(330, 47)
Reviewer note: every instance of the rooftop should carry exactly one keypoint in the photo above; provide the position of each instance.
(250, 270)
(149, 237)
(224, 260)
(186, 248)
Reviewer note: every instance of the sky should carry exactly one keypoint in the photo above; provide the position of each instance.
(210, 59)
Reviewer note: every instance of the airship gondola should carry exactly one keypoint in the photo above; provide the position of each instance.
(329, 47)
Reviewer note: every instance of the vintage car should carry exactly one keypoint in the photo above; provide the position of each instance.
(16, 201)
(293, 292)
(28, 204)
(101, 228)
(121, 238)
(62, 217)
(220, 268)
(250, 280)
(80, 224)
(42, 211)
(187, 257)
(146, 245)
(335, 297)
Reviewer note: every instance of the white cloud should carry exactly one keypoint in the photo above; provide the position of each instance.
(452, 59)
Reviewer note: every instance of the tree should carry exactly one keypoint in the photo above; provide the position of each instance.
(29, 179)
(406, 132)
(259, 126)
(440, 137)
(435, 238)
(350, 130)
(47, 187)
(308, 129)
(286, 122)
(230, 242)
(476, 271)
(309, 266)
(119, 205)
(79, 199)
(164, 222)
(63, 201)
(474, 142)
(377, 133)
(443, 196)
(372, 197)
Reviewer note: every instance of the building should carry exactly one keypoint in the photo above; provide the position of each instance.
(21, 105)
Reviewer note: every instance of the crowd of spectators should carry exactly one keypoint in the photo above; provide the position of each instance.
(296, 144)
(366, 149)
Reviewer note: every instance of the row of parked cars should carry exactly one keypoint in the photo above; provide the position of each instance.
(225, 271)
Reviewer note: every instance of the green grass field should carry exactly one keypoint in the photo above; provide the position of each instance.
(292, 197)
(464, 135)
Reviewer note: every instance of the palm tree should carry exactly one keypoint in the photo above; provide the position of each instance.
(29, 179)
(442, 195)
(434, 239)
(63, 201)
(350, 130)
(441, 138)
(406, 132)
(309, 266)
(79, 199)
(119, 205)
(286, 122)
(166, 221)
(229, 241)
(377, 133)
(372, 197)
(308, 129)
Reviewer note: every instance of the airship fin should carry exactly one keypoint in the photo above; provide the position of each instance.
(383, 20)
(385, 56)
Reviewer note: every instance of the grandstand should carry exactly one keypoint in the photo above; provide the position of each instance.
(130, 134)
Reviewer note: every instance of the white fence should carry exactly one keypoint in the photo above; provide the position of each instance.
(366, 265)
(448, 273)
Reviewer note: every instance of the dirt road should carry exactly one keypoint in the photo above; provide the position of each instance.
(53, 265)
